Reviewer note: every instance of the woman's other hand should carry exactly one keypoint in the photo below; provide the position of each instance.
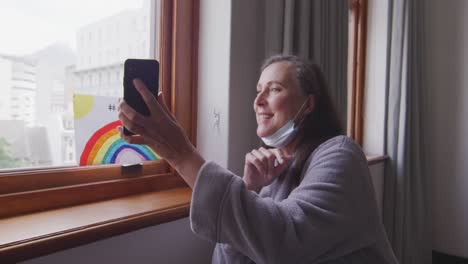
(161, 132)
(262, 166)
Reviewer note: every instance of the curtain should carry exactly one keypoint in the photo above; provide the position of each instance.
(315, 30)
(406, 187)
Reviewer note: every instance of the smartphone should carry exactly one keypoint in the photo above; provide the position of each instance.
(148, 72)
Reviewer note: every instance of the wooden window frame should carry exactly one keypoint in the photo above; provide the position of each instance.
(357, 49)
(356, 68)
(133, 197)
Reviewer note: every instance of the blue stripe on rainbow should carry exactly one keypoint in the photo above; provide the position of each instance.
(147, 155)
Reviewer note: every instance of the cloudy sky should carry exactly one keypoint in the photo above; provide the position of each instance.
(29, 25)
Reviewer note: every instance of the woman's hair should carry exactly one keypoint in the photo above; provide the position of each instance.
(323, 122)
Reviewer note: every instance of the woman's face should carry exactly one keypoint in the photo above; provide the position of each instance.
(278, 98)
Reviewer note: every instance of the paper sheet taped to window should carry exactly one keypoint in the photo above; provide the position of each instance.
(96, 135)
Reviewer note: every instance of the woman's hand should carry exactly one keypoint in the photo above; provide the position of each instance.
(262, 166)
(161, 132)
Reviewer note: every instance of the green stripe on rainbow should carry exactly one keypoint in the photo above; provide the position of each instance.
(106, 147)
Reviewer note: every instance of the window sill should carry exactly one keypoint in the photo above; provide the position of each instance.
(373, 160)
(36, 234)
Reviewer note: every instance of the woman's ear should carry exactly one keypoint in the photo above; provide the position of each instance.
(310, 104)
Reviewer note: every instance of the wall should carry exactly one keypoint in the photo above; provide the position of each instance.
(229, 68)
(213, 83)
(247, 55)
(171, 242)
(446, 126)
(374, 95)
(376, 67)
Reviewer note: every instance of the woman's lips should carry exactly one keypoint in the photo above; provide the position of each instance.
(265, 115)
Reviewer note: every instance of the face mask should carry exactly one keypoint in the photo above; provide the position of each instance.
(283, 136)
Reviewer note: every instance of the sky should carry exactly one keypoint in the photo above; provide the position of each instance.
(29, 25)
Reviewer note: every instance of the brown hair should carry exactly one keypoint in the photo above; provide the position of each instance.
(323, 122)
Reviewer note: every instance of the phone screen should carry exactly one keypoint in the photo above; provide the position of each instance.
(148, 72)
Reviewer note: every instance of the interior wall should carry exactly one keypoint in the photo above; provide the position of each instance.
(213, 80)
(171, 242)
(247, 54)
(446, 125)
(376, 67)
(374, 95)
(377, 175)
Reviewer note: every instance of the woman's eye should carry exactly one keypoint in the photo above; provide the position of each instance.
(275, 89)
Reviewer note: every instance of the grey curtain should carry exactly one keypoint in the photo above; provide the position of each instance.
(316, 30)
(406, 187)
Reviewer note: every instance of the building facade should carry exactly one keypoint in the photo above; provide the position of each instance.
(18, 89)
(102, 48)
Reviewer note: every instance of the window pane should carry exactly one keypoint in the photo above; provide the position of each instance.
(51, 50)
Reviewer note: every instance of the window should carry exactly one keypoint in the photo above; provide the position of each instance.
(53, 190)
(81, 22)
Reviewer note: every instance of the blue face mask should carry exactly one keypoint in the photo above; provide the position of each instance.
(283, 136)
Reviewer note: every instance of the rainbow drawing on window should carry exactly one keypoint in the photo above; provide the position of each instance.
(106, 147)
(96, 135)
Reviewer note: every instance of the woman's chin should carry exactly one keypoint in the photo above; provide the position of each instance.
(263, 132)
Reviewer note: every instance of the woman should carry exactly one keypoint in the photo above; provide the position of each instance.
(305, 197)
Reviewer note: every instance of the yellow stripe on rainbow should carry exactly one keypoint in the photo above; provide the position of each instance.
(104, 148)
(99, 149)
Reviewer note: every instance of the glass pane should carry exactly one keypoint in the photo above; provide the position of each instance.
(51, 50)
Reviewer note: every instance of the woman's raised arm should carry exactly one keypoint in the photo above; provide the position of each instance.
(162, 133)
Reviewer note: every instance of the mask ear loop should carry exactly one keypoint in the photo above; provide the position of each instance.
(300, 116)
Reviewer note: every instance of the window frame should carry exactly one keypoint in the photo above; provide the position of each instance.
(357, 45)
(25, 193)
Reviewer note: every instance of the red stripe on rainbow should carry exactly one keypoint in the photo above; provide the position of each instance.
(96, 140)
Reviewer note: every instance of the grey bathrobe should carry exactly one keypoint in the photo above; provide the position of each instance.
(331, 217)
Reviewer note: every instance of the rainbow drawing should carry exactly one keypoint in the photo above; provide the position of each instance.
(106, 147)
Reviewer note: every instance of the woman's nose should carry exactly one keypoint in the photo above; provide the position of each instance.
(260, 99)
